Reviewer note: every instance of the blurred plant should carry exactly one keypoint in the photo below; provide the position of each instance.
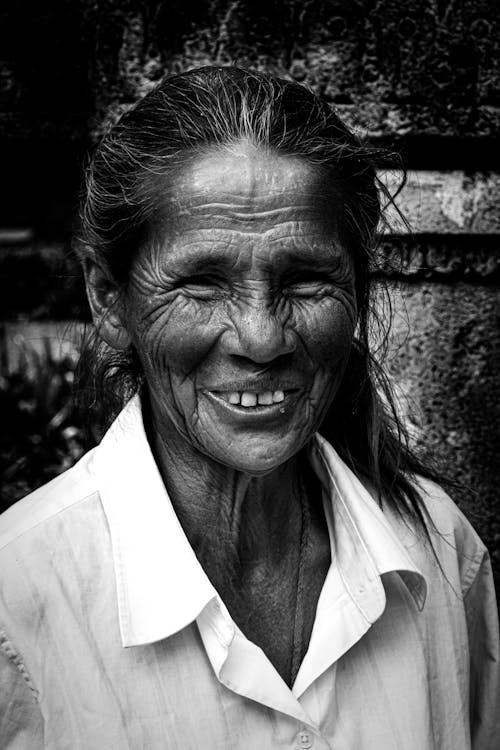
(41, 432)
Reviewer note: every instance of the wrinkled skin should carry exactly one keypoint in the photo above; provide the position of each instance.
(246, 285)
(250, 285)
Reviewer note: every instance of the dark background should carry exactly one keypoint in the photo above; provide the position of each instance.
(420, 76)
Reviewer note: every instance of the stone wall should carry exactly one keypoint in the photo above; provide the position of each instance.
(420, 76)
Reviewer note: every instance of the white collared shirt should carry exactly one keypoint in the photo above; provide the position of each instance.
(112, 636)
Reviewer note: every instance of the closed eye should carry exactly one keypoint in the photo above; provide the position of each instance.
(202, 285)
(201, 280)
(309, 283)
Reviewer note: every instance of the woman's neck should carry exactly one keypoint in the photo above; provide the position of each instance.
(229, 511)
(262, 541)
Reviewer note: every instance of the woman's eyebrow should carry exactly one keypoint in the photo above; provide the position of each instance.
(190, 261)
(299, 251)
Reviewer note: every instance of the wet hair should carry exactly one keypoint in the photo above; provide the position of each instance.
(188, 114)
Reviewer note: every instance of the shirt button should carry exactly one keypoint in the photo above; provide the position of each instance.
(306, 740)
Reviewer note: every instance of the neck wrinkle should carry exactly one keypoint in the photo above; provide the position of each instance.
(231, 519)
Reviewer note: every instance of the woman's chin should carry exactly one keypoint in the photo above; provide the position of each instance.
(254, 456)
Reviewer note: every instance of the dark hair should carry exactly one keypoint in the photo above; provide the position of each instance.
(180, 118)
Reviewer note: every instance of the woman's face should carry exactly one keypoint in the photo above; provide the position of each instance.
(243, 314)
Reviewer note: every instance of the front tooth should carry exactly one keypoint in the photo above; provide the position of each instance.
(234, 398)
(265, 398)
(278, 396)
(248, 399)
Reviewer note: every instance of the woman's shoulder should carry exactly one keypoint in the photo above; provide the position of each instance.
(444, 511)
(56, 562)
(34, 512)
(454, 538)
(54, 547)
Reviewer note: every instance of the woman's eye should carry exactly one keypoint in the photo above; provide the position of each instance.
(206, 285)
(309, 284)
(205, 280)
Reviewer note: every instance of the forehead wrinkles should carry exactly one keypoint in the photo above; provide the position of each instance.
(306, 212)
(269, 206)
(264, 208)
(286, 235)
(245, 184)
(247, 199)
(284, 221)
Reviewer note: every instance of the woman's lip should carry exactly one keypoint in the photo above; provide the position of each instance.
(252, 388)
(278, 393)
(254, 412)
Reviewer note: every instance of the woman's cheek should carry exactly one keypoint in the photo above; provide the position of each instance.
(326, 329)
(179, 335)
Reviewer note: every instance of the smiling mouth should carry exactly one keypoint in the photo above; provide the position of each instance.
(251, 399)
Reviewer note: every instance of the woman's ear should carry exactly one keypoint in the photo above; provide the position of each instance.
(107, 310)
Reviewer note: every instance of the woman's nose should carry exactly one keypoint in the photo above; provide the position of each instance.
(258, 333)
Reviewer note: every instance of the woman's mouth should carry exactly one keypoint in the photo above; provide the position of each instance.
(249, 399)
(253, 403)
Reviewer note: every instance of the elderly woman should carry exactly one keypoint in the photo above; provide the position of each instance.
(251, 558)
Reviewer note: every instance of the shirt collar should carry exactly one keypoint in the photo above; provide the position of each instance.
(161, 586)
(366, 541)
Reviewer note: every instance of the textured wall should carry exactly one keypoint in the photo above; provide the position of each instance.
(421, 76)
(447, 366)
